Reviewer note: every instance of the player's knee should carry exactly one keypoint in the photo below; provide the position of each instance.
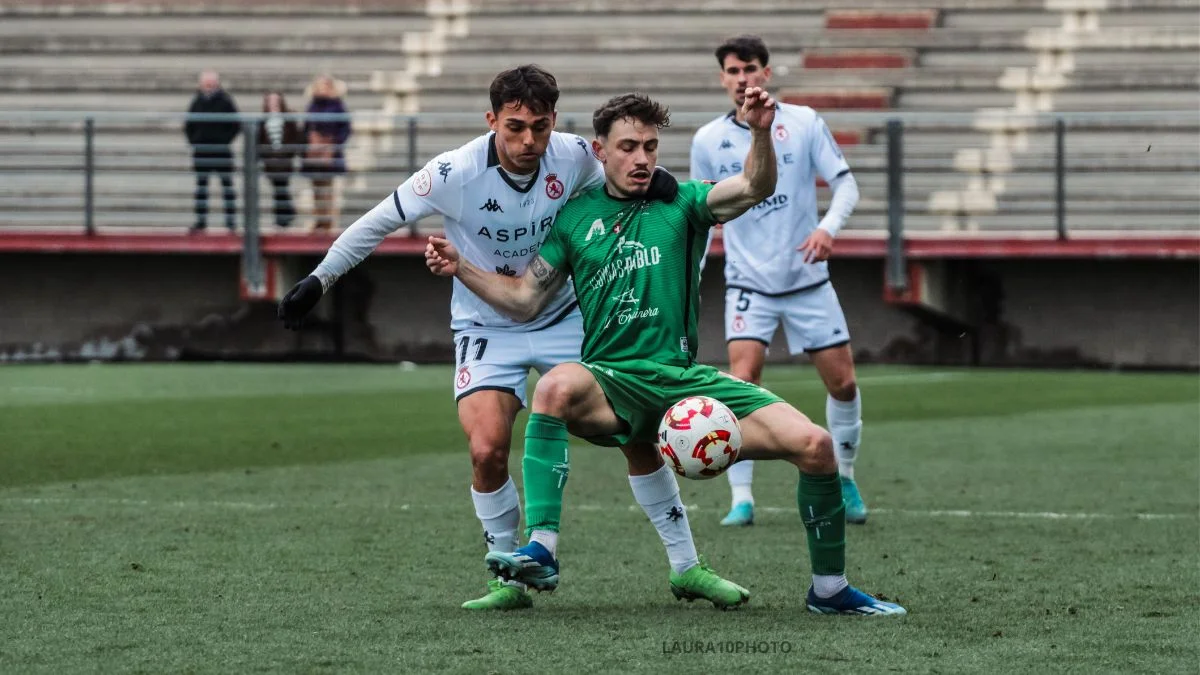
(747, 372)
(844, 388)
(816, 451)
(555, 393)
(489, 455)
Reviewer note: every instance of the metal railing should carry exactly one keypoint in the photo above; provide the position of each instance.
(968, 174)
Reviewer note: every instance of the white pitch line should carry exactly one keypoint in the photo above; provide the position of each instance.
(898, 378)
(116, 501)
(387, 506)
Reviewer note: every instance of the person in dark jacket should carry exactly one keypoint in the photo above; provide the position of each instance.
(210, 147)
(279, 141)
(324, 157)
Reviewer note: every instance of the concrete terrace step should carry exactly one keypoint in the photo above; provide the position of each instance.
(69, 27)
(842, 19)
(181, 83)
(541, 7)
(574, 100)
(503, 7)
(191, 8)
(857, 59)
(975, 20)
(1111, 100)
(122, 81)
(227, 63)
(984, 77)
(1119, 37)
(782, 40)
(247, 100)
(615, 24)
(176, 44)
(866, 99)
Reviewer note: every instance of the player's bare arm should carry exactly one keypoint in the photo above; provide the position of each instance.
(735, 195)
(521, 298)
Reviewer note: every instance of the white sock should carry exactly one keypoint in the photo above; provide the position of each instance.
(740, 477)
(500, 514)
(658, 495)
(829, 585)
(845, 425)
(547, 538)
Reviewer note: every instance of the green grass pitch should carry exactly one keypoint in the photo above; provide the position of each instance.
(312, 519)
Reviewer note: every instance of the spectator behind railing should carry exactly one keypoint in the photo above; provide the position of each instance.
(323, 157)
(210, 148)
(279, 141)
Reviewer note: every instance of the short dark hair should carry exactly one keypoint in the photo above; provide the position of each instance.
(531, 86)
(745, 47)
(637, 107)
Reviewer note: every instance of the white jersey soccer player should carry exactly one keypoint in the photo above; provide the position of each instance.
(498, 196)
(775, 260)
(498, 220)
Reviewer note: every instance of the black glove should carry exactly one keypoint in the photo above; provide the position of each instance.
(663, 186)
(299, 302)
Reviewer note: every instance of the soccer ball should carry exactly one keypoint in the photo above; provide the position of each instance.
(699, 437)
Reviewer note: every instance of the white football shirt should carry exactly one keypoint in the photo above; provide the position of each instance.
(495, 222)
(760, 245)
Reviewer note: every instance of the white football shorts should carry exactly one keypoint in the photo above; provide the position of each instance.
(812, 318)
(490, 359)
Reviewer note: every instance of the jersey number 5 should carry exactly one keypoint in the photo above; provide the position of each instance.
(743, 302)
(465, 343)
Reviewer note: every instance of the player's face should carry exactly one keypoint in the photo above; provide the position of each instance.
(629, 154)
(521, 136)
(738, 75)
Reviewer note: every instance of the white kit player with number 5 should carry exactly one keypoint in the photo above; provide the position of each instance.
(775, 260)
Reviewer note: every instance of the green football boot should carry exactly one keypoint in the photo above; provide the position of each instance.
(700, 582)
(501, 596)
(856, 509)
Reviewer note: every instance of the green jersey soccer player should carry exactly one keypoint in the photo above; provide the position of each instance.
(635, 265)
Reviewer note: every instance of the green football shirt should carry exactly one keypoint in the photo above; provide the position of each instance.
(636, 267)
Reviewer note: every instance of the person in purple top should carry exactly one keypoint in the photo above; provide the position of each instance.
(324, 158)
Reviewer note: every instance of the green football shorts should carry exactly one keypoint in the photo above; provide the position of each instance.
(640, 392)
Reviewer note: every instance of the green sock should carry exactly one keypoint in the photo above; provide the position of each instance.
(824, 515)
(545, 469)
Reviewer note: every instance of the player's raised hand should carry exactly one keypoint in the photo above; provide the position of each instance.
(441, 257)
(759, 108)
(817, 246)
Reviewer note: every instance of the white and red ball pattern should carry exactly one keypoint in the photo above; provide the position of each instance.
(699, 437)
